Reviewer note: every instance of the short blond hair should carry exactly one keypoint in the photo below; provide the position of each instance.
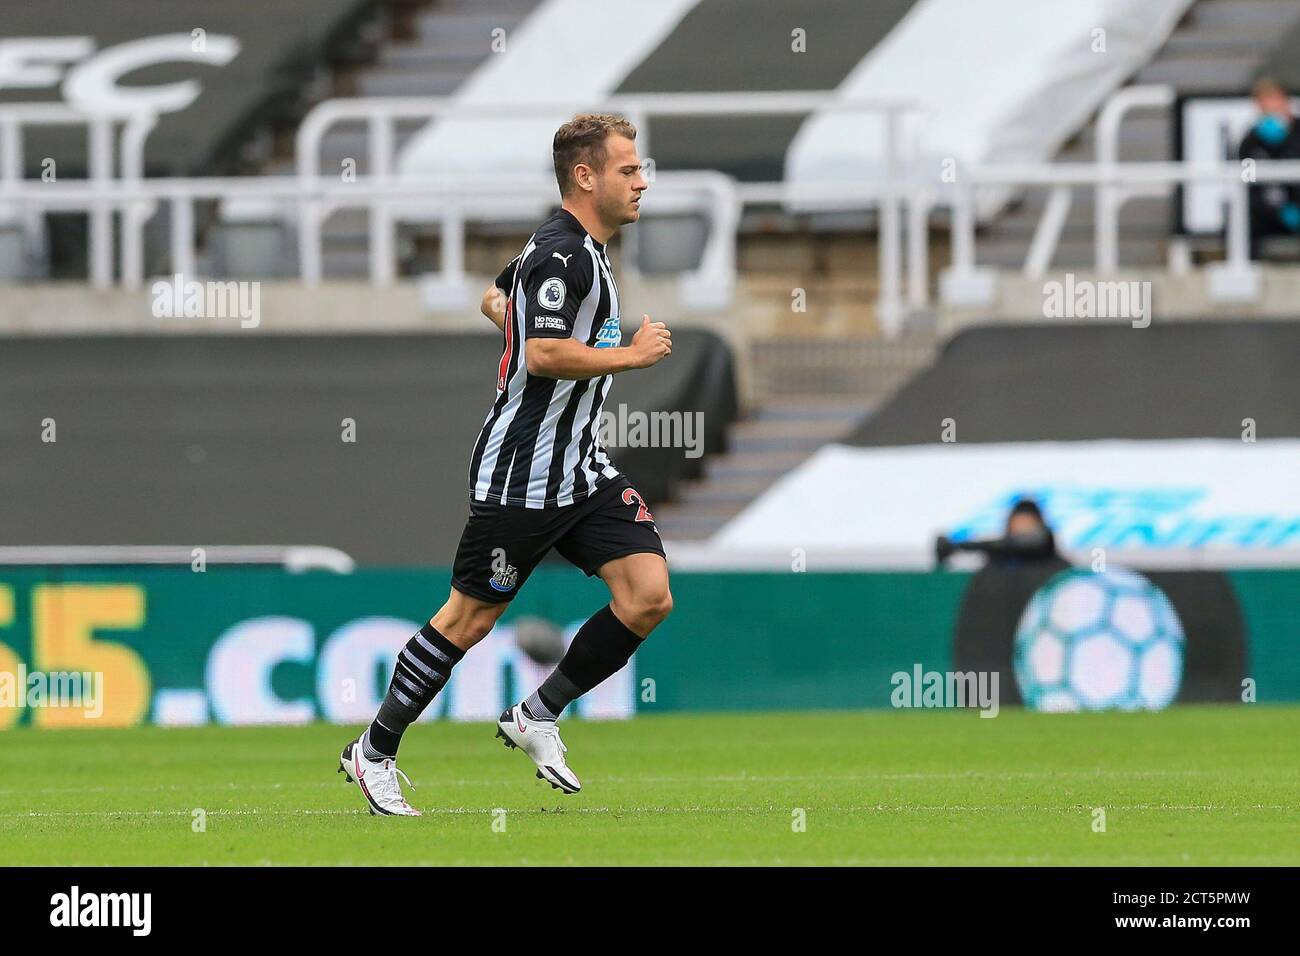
(582, 140)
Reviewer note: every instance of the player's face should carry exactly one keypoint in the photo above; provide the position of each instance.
(620, 184)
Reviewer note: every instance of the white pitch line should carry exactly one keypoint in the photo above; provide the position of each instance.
(990, 775)
(560, 811)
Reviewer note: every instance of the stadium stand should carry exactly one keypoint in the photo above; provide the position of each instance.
(672, 53)
(815, 284)
(1220, 46)
(442, 46)
(253, 66)
(1072, 383)
(1283, 62)
(1015, 96)
(232, 439)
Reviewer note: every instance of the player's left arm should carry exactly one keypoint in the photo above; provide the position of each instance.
(493, 304)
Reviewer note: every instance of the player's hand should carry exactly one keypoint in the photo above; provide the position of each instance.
(650, 343)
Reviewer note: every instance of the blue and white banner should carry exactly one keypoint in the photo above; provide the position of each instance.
(1223, 497)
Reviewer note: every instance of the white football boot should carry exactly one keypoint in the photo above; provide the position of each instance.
(378, 782)
(540, 739)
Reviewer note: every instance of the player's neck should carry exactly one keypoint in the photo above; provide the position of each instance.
(591, 222)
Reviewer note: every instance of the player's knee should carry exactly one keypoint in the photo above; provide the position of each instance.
(665, 605)
(462, 620)
(650, 607)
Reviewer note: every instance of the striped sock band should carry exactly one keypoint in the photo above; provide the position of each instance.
(601, 647)
(549, 700)
(422, 669)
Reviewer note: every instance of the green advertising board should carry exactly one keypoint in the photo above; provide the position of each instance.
(260, 645)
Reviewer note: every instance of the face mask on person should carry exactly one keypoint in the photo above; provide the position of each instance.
(1272, 129)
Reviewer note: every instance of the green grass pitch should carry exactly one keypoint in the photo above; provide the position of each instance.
(1190, 786)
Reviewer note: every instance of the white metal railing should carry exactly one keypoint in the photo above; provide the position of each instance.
(1236, 279)
(904, 198)
(294, 558)
(312, 197)
(99, 126)
(709, 286)
(705, 288)
(1110, 197)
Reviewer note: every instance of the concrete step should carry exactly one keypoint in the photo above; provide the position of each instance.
(683, 527)
(1144, 217)
(1241, 14)
(515, 8)
(1075, 254)
(712, 511)
(1218, 44)
(1199, 75)
(1141, 139)
(393, 82)
(795, 429)
(735, 466)
(440, 24)
(739, 491)
(776, 443)
(847, 413)
(1083, 203)
(436, 57)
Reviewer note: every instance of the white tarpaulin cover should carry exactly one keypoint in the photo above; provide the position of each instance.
(1218, 494)
(999, 81)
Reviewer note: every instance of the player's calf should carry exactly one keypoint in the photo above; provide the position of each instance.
(422, 669)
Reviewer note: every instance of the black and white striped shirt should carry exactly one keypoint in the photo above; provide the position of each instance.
(540, 445)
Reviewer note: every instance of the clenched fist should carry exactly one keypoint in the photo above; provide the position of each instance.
(650, 343)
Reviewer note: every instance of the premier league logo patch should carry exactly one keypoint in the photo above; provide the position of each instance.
(551, 294)
(504, 579)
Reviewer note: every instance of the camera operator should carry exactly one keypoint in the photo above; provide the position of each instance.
(1026, 540)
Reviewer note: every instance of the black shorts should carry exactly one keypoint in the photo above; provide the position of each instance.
(502, 544)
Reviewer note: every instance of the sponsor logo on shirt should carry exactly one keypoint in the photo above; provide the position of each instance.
(610, 335)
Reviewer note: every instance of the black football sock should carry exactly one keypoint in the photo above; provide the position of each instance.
(422, 669)
(600, 648)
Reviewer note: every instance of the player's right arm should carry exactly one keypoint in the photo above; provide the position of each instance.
(554, 286)
(571, 359)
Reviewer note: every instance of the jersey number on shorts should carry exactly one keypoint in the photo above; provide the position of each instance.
(642, 513)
